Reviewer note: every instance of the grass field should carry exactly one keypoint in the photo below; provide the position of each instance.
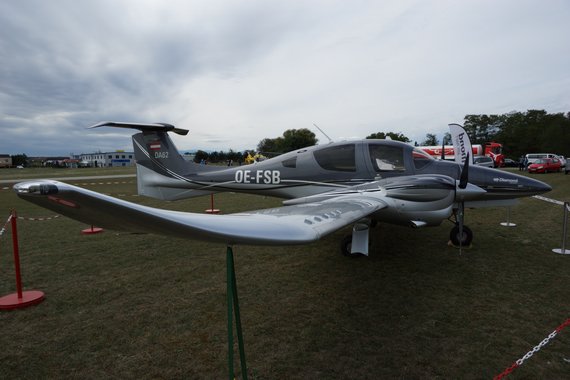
(126, 306)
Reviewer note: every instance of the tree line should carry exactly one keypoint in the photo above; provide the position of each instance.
(533, 131)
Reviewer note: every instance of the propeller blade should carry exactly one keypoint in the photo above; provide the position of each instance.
(460, 217)
(464, 174)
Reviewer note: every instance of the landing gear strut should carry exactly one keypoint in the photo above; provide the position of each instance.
(357, 244)
(346, 247)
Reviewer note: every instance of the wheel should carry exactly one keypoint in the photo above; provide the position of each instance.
(346, 245)
(467, 236)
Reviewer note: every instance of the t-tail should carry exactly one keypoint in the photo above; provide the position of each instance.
(162, 172)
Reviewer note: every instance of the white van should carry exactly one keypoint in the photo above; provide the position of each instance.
(533, 157)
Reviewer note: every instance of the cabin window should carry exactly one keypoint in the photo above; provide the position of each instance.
(387, 158)
(338, 158)
(290, 163)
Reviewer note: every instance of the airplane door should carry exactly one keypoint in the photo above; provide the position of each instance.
(384, 159)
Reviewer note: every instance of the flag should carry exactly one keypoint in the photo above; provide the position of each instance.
(461, 143)
(154, 145)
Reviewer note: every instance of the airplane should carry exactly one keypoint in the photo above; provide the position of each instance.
(325, 187)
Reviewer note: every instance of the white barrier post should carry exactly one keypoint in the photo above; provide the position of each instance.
(508, 222)
(563, 250)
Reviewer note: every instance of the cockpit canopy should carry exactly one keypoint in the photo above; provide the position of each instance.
(381, 157)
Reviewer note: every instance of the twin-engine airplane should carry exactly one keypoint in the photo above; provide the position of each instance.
(327, 187)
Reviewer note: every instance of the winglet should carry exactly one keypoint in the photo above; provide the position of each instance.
(144, 127)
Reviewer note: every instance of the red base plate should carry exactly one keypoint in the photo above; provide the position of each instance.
(29, 298)
(91, 231)
(213, 211)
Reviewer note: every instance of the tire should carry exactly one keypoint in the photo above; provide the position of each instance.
(467, 236)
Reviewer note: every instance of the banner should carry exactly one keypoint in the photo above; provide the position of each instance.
(461, 143)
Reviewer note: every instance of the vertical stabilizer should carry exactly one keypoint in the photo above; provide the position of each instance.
(161, 171)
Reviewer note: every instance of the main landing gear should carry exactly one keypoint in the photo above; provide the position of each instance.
(357, 244)
(346, 247)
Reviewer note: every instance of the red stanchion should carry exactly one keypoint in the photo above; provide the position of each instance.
(20, 299)
(91, 231)
(212, 210)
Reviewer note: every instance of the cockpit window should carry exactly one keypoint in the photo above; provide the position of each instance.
(339, 158)
(421, 158)
(387, 158)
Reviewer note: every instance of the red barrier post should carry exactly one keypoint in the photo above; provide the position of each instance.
(212, 210)
(16, 254)
(19, 299)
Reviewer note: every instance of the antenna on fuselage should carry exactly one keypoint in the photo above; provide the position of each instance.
(327, 136)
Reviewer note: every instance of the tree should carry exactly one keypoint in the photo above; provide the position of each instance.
(268, 145)
(392, 135)
(447, 139)
(292, 139)
(430, 140)
(201, 155)
(297, 138)
(19, 159)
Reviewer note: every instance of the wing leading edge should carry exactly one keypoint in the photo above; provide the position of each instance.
(296, 224)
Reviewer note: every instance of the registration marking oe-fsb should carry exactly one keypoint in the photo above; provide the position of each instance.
(268, 177)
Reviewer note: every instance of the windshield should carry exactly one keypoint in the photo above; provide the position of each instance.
(421, 158)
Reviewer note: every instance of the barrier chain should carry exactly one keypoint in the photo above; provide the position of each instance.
(529, 354)
(3, 229)
(39, 218)
(550, 200)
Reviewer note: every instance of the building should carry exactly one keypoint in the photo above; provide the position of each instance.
(5, 161)
(107, 159)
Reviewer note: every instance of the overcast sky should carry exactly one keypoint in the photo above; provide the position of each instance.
(235, 72)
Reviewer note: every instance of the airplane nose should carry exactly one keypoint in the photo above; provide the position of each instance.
(501, 184)
(540, 187)
(532, 186)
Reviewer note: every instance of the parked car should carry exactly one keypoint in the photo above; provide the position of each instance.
(545, 165)
(534, 157)
(484, 161)
(511, 163)
(562, 161)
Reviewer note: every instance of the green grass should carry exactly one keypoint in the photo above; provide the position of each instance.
(143, 306)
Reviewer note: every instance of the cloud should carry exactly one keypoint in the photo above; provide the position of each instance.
(235, 73)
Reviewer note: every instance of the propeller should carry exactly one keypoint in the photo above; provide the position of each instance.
(463, 181)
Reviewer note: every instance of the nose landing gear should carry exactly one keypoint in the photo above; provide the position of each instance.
(461, 239)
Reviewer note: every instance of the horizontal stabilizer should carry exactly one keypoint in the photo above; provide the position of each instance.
(144, 127)
(298, 224)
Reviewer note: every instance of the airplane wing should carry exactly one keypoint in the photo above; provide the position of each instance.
(295, 224)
